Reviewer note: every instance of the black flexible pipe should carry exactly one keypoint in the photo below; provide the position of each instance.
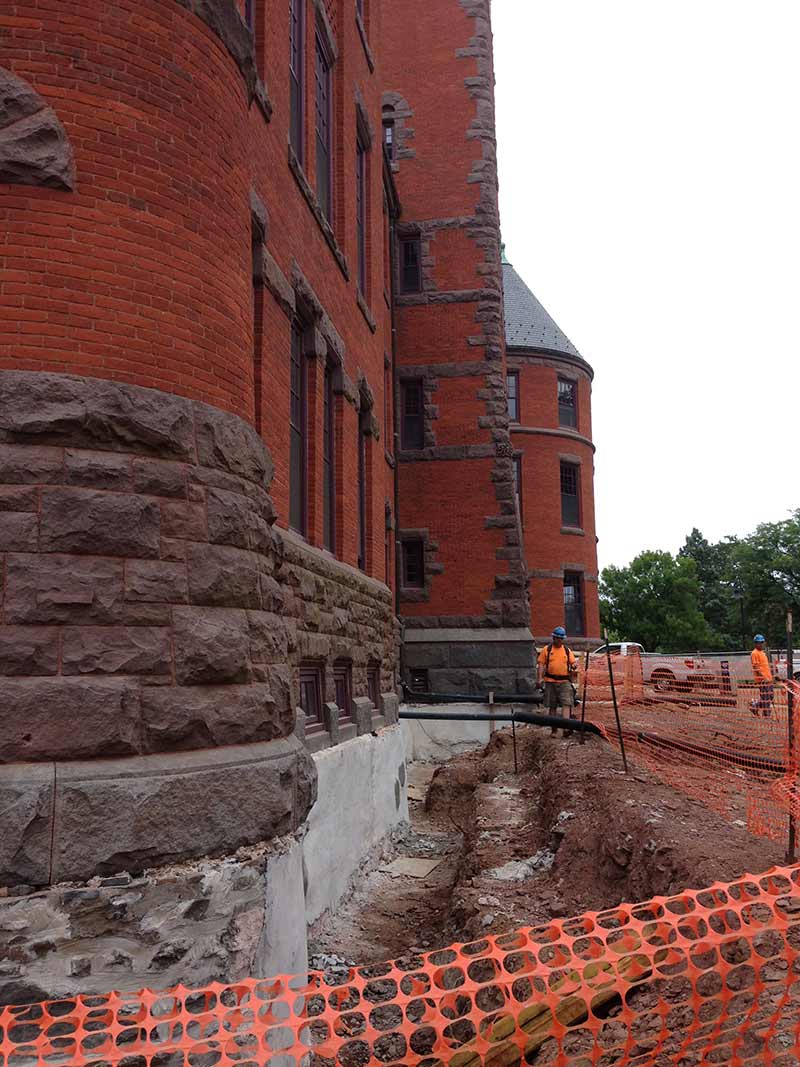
(750, 763)
(516, 716)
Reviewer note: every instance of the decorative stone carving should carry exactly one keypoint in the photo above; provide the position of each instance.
(34, 149)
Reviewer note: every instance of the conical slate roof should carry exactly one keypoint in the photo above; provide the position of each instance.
(528, 325)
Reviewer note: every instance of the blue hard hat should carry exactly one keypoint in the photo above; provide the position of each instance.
(759, 637)
(559, 632)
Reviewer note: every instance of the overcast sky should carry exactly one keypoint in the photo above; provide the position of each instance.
(650, 197)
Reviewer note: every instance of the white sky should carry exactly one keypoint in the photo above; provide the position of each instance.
(650, 197)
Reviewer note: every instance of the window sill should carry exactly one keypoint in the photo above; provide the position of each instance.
(311, 199)
(574, 531)
(263, 100)
(414, 596)
(363, 307)
(566, 426)
(362, 33)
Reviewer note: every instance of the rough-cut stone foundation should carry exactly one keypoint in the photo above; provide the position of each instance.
(153, 617)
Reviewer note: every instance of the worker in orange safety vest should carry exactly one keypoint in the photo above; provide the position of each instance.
(762, 674)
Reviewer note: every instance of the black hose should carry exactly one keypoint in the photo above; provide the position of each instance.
(739, 759)
(553, 721)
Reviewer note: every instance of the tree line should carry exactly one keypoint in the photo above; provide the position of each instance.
(710, 597)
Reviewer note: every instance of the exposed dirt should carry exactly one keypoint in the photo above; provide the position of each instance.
(569, 833)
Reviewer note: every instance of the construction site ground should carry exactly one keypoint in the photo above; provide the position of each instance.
(489, 850)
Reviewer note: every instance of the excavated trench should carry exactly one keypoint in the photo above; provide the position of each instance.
(568, 833)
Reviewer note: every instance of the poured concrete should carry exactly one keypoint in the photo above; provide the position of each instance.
(362, 799)
(437, 740)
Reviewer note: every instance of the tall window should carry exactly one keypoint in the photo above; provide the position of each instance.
(410, 265)
(324, 116)
(311, 687)
(413, 570)
(412, 428)
(297, 433)
(361, 212)
(328, 463)
(573, 604)
(363, 426)
(567, 403)
(512, 387)
(388, 131)
(343, 683)
(518, 483)
(296, 78)
(570, 494)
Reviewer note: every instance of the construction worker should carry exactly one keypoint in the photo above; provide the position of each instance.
(762, 673)
(557, 668)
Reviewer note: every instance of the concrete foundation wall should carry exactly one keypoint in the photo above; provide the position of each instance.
(438, 740)
(362, 799)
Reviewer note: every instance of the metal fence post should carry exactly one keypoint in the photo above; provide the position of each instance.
(614, 699)
(583, 702)
(790, 727)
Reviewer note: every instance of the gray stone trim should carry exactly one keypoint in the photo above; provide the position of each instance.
(312, 305)
(324, 24)
(404, 133)
(570, 457)
(259, 214)
(546, 574)
(364, 308)
(447, 452)
(456, 635)
(544, 431)
(455, 296)
(573, 531)
(224, 20)
(278, 284)
(362, 33)
(520, 357)
(363, 122)
(311, 199)
(34, 147)
(432, 566)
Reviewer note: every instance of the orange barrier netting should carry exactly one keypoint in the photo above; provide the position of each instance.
(707, 729)
(706, 977)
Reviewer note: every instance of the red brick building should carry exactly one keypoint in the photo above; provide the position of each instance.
(253, 410)
(550, 406)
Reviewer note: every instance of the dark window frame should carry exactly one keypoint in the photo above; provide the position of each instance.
(512, 376)
(363, 432)
(412, 570)
(329, 460)
(570, 482)
(323, 123)
(412, 424)
(298, 433)
(362, 211)
(410, 273)
(574, 612)
(297, 36)
(312, 681)
(343, 689)
(568, 409)
(374, 684)
(250, 15)
(419, 680)
(518, 485)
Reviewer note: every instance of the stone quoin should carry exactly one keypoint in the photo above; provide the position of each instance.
(257, 465)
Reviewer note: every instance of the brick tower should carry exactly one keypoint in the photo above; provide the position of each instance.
(463, 597)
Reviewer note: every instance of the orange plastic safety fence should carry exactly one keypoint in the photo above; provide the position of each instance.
(708, 729)
(706, 977)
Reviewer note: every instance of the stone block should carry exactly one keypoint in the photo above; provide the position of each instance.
(18, 531)
(26, 801)
(449, 681)
(211, 646)
(179, 717)
(98, 470)
(184, 520)
(115, 815)
(483, 682)
(273, 595)
(230, 517)
(28, 651)
(68, 718)
(362, 713)
(269, 637)
(41, 408)
(96, 523)
(18, 498)
(116, 650)
(28, 465)
(228, 442)
(155, 477)
(223, 577)
(152, 581)
(59, 589)
(433, 655)
(391, 707)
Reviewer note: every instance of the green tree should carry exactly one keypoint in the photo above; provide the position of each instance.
(720, 588)
(768, 565)
(655, 601)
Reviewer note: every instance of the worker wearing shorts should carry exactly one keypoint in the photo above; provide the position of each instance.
(762, 674)
(556, 669)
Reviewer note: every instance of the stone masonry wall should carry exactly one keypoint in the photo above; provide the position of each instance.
(152, 618)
